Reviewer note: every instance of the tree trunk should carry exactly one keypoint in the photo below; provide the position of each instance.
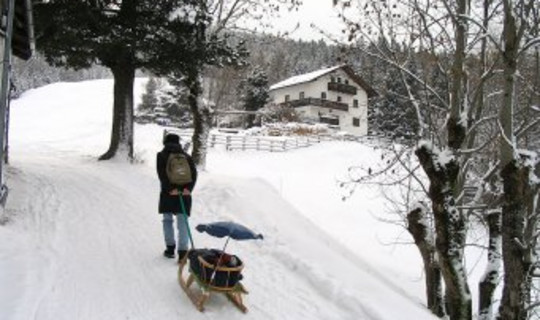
(516, 246)
(250, 121)
(490, 280)
(517, 251)
(450, 232)
(456, 130)
(424, 242)
(122, 126)
(201, 118)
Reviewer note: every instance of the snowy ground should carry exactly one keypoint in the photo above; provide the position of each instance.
(81, 239)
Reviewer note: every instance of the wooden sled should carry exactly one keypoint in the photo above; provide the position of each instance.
(207, 284)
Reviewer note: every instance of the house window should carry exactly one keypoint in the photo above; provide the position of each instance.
(355, 103)
(346, 81)
(287, 98)
(339, 80)
(332, 79)
(338, 98)
(329, 120)
(323, 95)
(301, 95)
(355, 122)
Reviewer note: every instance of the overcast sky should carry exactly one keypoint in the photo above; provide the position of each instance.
(318, 12)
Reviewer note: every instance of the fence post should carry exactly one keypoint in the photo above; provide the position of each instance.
(284, 145)
(244, 143)
(258, 141)
(228, 143)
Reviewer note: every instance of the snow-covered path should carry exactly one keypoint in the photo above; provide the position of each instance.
(99, 252)
(97, 260)
(83, 241)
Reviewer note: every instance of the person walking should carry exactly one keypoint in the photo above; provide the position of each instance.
(177, 175)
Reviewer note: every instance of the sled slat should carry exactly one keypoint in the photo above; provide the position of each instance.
(233, 294)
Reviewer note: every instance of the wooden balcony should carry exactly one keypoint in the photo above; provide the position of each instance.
(341, 87)
(319, 103)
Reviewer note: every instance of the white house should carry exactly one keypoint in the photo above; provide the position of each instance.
(336, 96)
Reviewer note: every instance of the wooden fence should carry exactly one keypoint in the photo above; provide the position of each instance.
(260, 143)
(232, 142)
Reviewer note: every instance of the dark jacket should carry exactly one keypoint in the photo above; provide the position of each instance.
(167, 202)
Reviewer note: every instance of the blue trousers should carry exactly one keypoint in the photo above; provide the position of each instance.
(182, 230)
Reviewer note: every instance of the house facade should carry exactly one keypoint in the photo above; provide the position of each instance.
(335, 96)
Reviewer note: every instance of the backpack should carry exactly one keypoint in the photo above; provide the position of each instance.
(178, 169)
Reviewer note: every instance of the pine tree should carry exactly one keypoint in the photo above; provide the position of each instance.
(149, 98)
(175, 102)
(254, 93)
(185, 70)
(123, 36)
(392, 114)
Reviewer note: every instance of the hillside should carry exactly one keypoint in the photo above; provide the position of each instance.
(81, 239)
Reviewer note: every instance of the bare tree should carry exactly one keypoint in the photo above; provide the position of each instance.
(402, 184)
(444, 37)
(519, 209)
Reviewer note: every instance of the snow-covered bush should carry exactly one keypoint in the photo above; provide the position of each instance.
(290, 129)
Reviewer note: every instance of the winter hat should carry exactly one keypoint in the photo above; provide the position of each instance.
(171, 138)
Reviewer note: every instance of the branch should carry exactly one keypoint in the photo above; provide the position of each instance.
(490, 172)
(411, 173)
(526, 128)
(479, 25)
(503, 135)
(520, 244)
(532, 305)
(479, 122)
(415, 77)
(435, 21)
(475, 150)
(530, 44)
(475, 207)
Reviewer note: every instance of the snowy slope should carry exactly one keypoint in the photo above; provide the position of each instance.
(82, 240)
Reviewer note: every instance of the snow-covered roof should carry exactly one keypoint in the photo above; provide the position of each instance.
(302, 78)
(307, 77)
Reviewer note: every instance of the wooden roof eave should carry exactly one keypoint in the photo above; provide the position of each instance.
(369, 89)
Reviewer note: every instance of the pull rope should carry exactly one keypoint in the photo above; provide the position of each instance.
(184, 213)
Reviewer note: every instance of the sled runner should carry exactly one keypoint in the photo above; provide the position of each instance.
(212, 271)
